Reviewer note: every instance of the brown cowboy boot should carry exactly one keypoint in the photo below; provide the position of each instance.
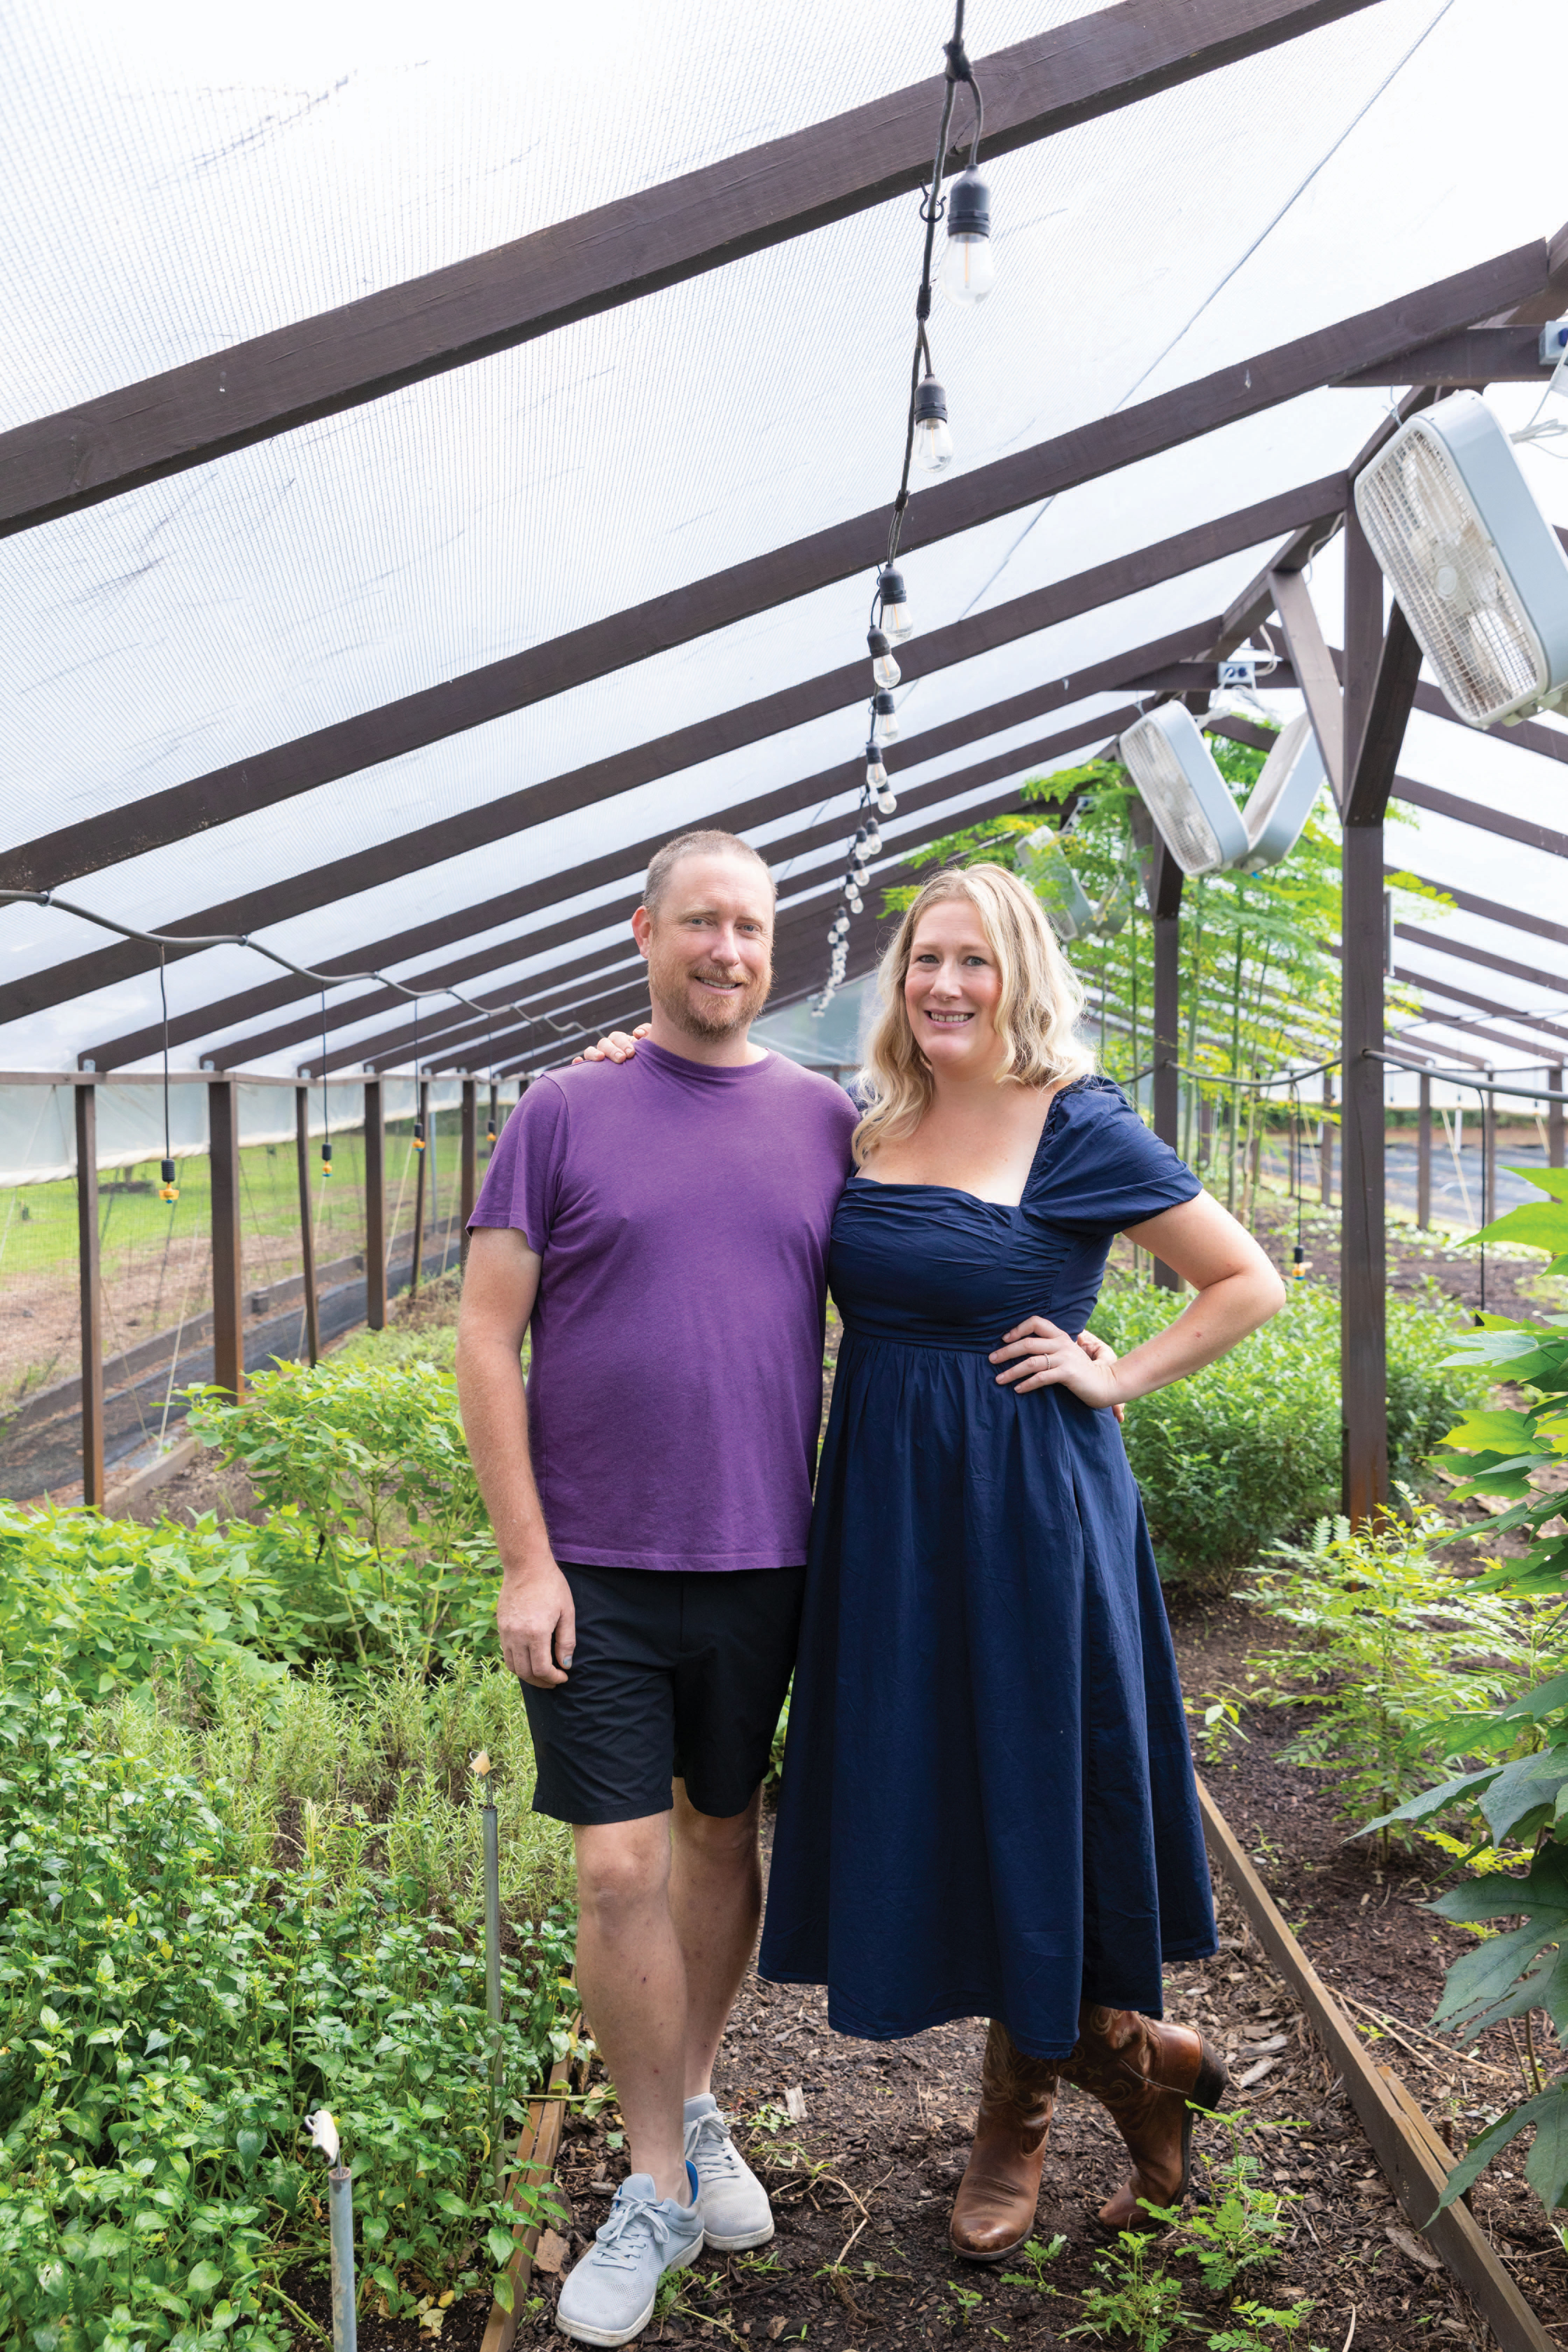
(995, 2208)
(1146, 2075)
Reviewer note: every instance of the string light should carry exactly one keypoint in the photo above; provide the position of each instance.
(968, 273)
(885, 670)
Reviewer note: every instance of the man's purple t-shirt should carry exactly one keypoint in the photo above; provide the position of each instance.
(681, 1212)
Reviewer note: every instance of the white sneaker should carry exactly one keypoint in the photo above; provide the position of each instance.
(610, 2293)
(732, 2199)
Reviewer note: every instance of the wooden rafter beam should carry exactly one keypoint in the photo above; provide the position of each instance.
(1476, 357)
(1439, 944)
(601, 648)
(617, 865)
(1490, 909)
(618, 252)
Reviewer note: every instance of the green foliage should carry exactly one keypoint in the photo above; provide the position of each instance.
(1241, 2229)
(1247, 1452)
(1035, 2259)
(1134, 2296)
(369, 1458)
(170, 2009)
(1514, 1756)
(1391, 1636)
(1252, 2319)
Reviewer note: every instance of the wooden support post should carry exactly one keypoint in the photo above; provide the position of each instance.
(375, 1207)
(469, 1182)
(307, 1238)
(1424, 1157)
(1380, 674)
(1554, 1119)
(1326, 1144)
(423, 1115)
(1165, 899)
(91, 1296)
(228, 1303)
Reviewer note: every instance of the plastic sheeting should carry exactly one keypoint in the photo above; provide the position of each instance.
(174, 185)
(38, 1123)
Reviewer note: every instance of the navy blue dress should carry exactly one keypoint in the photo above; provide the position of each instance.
(988, 1807)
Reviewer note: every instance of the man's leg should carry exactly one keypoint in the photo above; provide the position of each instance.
(633, 1981)
(715, 1904)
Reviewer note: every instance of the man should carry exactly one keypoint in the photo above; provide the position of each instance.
(662, 1229)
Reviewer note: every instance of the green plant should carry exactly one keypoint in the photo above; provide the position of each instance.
(1253, 2318)
(1391, 1635)
(169, 2011)
(369, 1460)
(1135, 2297)
(1515, 1756)
(1241, 2229)
(1218, 1718)
(1035, 2258)
(967, 2302)
(1246, 1453)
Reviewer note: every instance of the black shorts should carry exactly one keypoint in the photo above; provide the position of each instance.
(679, 1675)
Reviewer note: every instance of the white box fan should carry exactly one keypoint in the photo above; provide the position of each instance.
(1474, 563)
(1281, 800)
(1051, 878)
(1184, 791)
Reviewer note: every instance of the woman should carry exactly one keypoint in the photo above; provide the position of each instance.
(988, 1804)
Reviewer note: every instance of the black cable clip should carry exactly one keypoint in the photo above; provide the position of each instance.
(922, 303)
(958, 65)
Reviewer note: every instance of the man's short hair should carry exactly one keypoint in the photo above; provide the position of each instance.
(706, 844)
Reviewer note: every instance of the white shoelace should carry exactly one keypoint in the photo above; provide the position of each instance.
(625, 2214)
(711, 2150)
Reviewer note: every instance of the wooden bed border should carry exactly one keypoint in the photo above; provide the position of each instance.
(1415, 2159)
(537, 2145)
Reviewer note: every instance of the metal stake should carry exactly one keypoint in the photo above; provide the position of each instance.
(341, 2212)
(492, 1981)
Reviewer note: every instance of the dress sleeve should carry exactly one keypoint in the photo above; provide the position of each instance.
(1103, 1169)
(523, 1181)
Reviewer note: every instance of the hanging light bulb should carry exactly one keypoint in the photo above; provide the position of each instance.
(968, 265)
(326, 1159)
(884, 668)
(876, 775)
(895, 602)
(885, 724)
(873, 840)
(886, 802)
(167, 1190)
(854, 898)
(933, 436)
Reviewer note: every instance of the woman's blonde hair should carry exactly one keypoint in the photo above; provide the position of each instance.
(1037, 1015)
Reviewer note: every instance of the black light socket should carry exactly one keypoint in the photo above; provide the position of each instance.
(969, 206)
(890, 586)
(877, 644)
(931, 402)
(166, 1171)
(884, 708)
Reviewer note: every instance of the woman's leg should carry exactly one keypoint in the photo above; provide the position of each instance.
(995, 2210)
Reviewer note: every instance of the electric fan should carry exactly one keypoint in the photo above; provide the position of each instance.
(1054, 883)
(1475, 564)
(1281, 801)
(1183, 790)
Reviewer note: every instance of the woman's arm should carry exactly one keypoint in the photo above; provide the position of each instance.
(1237, 1288)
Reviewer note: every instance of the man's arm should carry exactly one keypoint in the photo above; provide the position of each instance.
(534, 1615)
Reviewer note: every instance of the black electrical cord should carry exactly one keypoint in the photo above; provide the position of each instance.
(326, 1115)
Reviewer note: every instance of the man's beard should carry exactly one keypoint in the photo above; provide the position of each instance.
(713, 1016)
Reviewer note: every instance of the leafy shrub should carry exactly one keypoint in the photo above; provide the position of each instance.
(1516, 1754)
(170, 2009)
(1246, 1453)
(1399, 1636)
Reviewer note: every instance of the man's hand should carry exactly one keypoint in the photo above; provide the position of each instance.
(617, 1047)
(1039, 1355)
(537, 1622)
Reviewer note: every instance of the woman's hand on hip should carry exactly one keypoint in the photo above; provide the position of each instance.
(1038, 1355)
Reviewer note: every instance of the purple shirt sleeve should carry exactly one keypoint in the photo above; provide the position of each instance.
(522, 1180)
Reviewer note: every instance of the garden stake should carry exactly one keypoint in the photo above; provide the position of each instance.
(340, 2223)
(492, 1958)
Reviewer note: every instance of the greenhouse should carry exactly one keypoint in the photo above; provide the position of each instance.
(443, 462)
